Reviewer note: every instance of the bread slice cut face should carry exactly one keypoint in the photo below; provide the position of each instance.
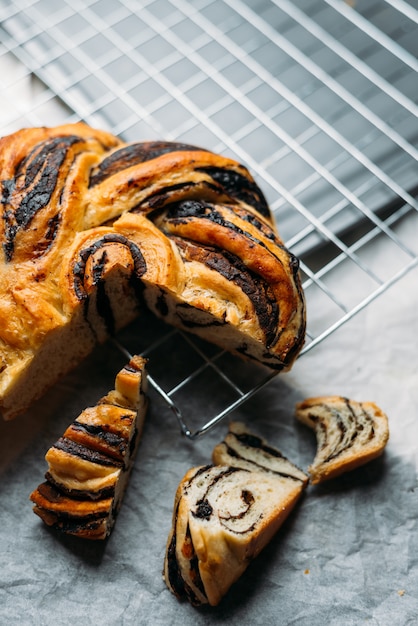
(349, 434)
(224, 515)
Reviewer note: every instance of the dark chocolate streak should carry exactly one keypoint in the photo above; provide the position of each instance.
(175, 579)
(337, 450)
(235, 454)
(104, 308)
(159, 198)
(185, 211)
(182, 212)
(32, 187)
(203, 510)
(181, 310)
(81, 494)
(268, 358)
(65, 521)
(233, 269)
(232, 452)
(52, 230)
(161, 304)
(238, 186)
(85, 453)
(252, 441)
(117, 442)
(248, 499)
(77, 525)
(102, 301)
(134, 154)
(80, 266)
(216, 479)
(261, 226)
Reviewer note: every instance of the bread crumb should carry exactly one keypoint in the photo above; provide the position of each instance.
(401, 592)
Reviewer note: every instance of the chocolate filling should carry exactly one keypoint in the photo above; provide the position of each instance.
(233, 453)
(204, 509)
(85, 453)
(320, 424)
(184, 211)
(120, 444)
(238, 186)
(134, 154)
(31, 189)
(103, 305)
(81, 494)
(80, 265)
(233, 269)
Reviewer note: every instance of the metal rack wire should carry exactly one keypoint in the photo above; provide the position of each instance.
(316, 97)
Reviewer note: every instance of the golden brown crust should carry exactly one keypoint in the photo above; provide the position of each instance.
(349, 434)
(91, 227)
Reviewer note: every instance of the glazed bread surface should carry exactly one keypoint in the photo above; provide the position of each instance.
(93, 229)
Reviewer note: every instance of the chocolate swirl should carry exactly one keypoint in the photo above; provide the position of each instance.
(223, 515)
(29, 193)
(134, 154)
(100, 267)
(88, 218)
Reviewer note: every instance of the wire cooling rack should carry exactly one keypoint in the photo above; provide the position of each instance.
(316, 97)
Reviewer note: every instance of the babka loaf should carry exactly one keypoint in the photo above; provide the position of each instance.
(348, 433)
(224, 515)
(93, 227)
(89, 467)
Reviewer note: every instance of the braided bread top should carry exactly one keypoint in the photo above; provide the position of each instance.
(92, 227)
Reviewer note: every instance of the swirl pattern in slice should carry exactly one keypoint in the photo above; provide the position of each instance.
(348, 433)
(225, 514)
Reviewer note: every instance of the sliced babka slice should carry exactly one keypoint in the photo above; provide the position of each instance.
(89, 466)
(224, 515)
(348, 433)
(243, 449)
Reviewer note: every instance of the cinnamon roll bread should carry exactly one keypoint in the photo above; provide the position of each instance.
(224, 515)
(90, 465)
(348, 433)
(92, 228)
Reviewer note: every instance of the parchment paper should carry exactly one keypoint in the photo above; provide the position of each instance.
(348, 554)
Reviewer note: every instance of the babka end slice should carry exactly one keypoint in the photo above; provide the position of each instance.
(348, 433)
(89, 466)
